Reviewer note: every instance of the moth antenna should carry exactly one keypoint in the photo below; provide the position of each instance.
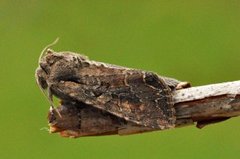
(49, 96)
(45, 49)
(42, 90)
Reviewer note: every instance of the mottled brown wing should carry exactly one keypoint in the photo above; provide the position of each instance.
(143, 99)
(135, 95)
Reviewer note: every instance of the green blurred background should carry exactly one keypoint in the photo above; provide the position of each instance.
(197, 41)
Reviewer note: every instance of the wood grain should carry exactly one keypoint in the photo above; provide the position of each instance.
(207, 104)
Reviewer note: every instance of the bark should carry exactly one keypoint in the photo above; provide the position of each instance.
(207, 104)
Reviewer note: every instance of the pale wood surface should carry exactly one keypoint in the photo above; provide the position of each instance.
(207, 104)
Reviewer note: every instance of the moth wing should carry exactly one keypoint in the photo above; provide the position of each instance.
(140, 97)
(137, 96)
(144, 99)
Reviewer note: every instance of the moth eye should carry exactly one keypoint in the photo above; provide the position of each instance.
(42, 82)
(41, 78)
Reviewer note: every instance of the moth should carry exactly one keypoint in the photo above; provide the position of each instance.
(102, 99)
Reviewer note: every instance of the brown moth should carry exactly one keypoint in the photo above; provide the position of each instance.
(100, 99)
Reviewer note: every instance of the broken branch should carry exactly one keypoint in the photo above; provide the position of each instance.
(207, 104)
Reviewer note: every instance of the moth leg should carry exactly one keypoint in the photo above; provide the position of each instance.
(50, 98)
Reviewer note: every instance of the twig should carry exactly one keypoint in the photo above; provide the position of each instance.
(207, 104)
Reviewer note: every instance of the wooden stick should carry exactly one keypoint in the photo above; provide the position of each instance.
(207, 104)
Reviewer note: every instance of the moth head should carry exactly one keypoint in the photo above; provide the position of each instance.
(48, 60)
(47, 66)
(61, 60)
